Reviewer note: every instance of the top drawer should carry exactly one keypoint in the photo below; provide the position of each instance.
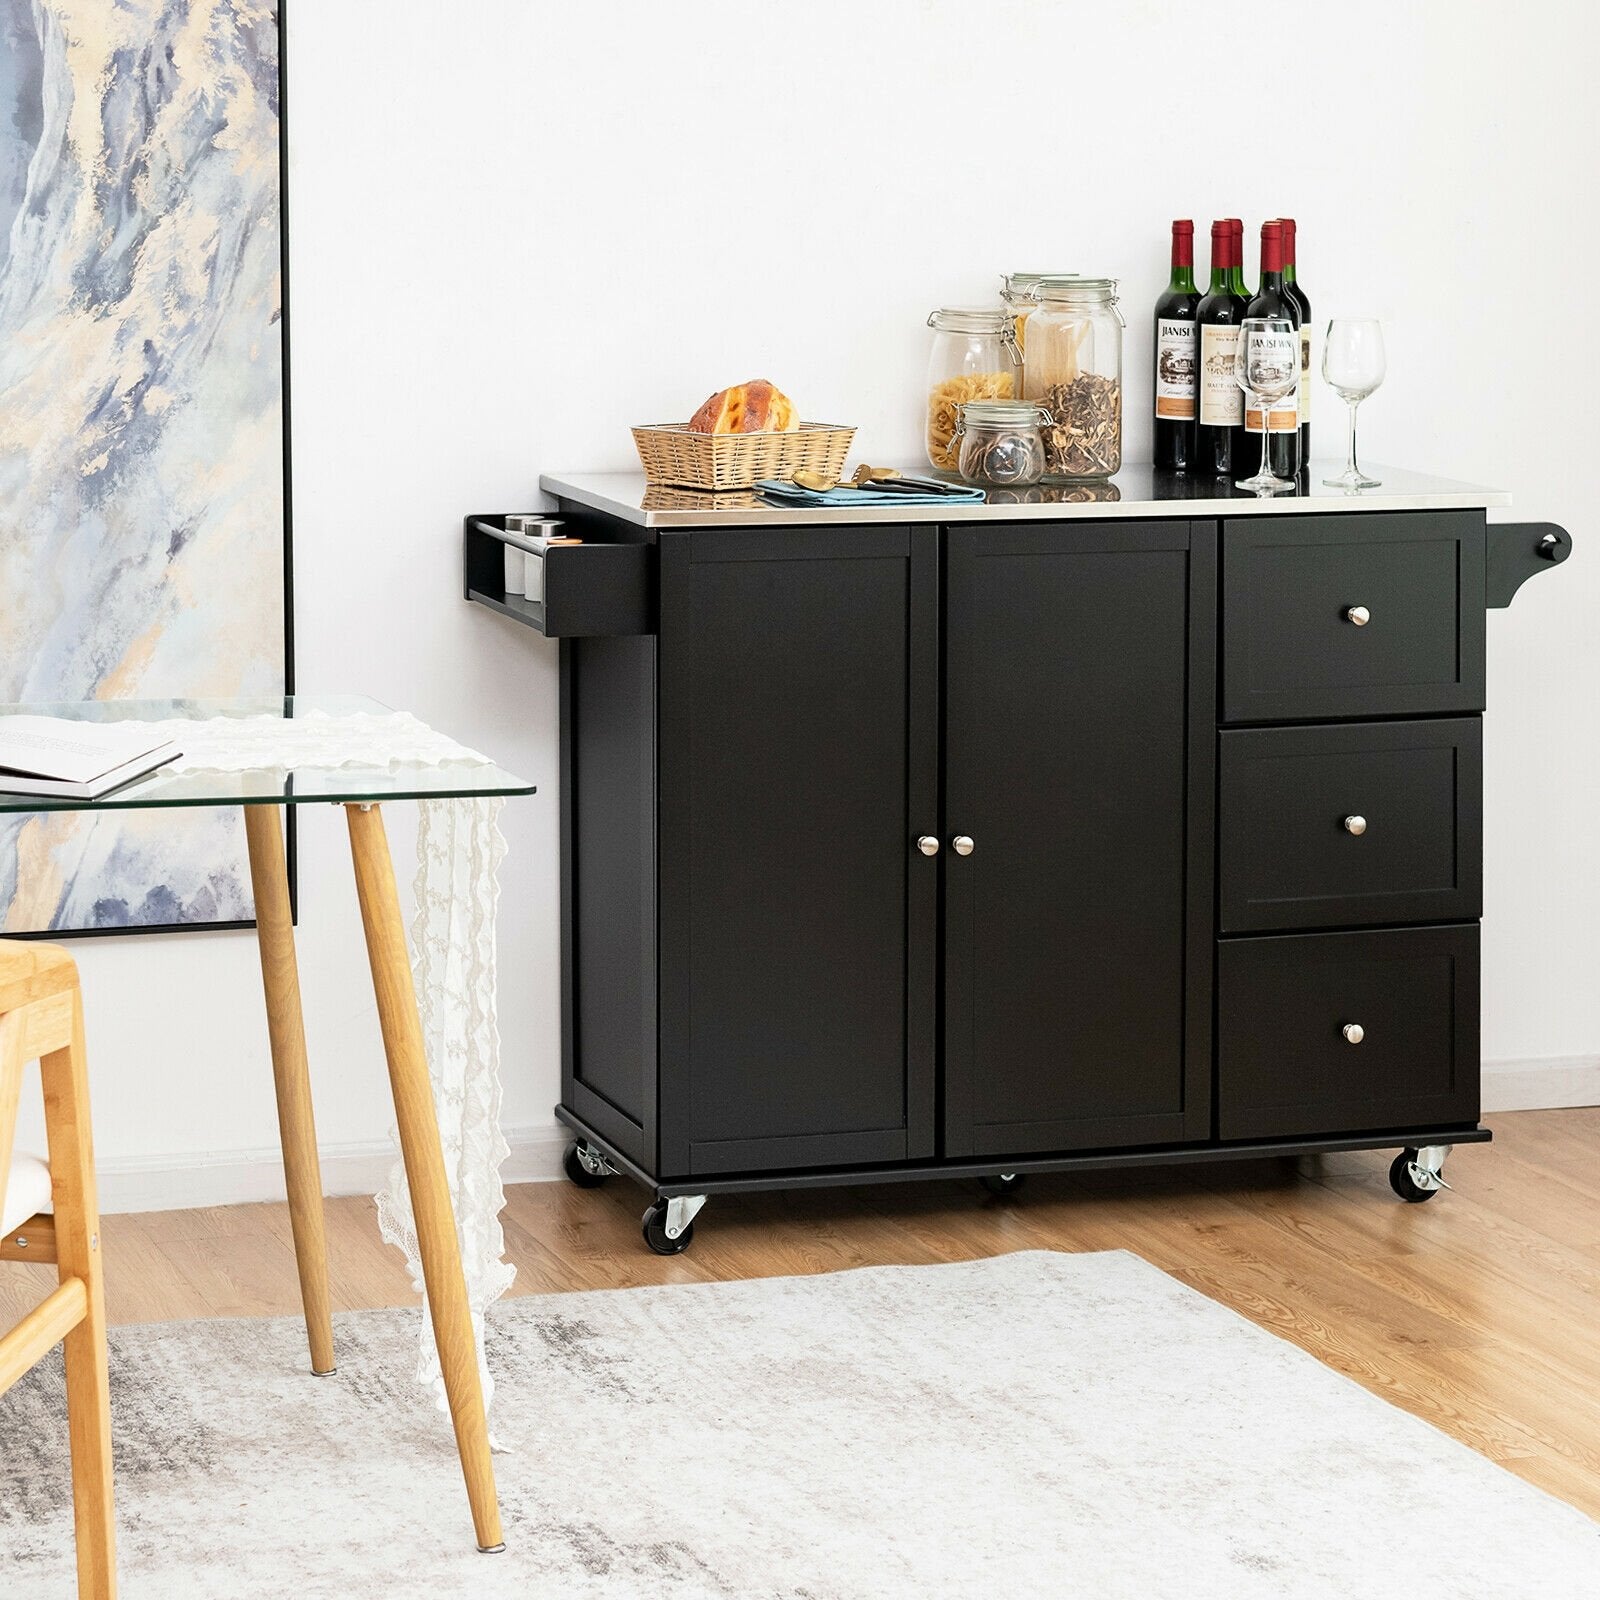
(1370, 615)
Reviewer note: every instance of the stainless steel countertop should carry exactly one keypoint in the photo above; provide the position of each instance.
(1136, 491)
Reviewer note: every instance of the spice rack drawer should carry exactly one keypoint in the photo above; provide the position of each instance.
(1362, 615)
(1351, 823)
(1347, 1032)
(583, 591)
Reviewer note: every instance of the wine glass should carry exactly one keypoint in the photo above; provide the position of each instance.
(1353, 363)
(1266, 365)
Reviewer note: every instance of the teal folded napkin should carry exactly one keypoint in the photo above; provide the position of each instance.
(908, 492)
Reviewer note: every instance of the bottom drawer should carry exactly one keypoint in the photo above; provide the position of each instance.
(1331, 1033)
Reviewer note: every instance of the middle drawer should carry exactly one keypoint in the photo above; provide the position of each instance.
(1351, 824)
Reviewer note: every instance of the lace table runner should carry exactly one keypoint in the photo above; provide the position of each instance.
(459, 851)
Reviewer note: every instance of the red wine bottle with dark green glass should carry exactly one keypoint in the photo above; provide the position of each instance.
(1176, 358)
(1291, 281)
(1272, 299)
(1219, 425)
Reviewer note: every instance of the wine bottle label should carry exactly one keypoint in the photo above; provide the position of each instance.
(1285, 418)
(1221, 398)
(1175, 369)
(1305, 375)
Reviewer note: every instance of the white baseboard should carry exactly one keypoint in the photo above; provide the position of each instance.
(239, 1177)
(1541, 1084)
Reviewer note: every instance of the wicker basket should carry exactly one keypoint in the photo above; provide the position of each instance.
(673, 455)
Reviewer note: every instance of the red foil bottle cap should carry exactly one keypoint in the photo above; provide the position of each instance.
(1182, 242)
(1287, 224)
(1271, 247)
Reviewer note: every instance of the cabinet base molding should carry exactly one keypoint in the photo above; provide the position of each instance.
(1095, 1160)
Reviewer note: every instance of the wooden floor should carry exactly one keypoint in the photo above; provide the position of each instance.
(1479, 1310)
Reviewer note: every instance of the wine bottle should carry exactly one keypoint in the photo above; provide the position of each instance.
(1272, 299)
(1246, 451)
(1291, 281)
(1220, 423)
(1177, 354)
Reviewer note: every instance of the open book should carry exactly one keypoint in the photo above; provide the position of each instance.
(66, 760)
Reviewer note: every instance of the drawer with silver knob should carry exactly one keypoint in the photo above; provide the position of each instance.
(1376, 615)
(1350, 824)
(1348, 1032)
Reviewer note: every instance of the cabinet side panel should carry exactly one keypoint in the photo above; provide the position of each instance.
(612, 937)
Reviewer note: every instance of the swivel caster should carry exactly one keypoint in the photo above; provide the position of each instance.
(585, 1166)
(668, 1225)
(1416, 1175)
(1003, 1183)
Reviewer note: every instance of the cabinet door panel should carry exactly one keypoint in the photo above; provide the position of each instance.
(799, 679)
(1070, 668)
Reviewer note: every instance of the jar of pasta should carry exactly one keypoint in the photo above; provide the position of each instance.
(1073, 368)
(974, 357)
(1016, 294)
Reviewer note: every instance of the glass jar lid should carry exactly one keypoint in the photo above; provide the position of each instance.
(1020, 285)
(994, 320)
(1003, 413)
(1073, 288)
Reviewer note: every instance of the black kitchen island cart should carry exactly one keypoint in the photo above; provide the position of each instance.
(1138, 824)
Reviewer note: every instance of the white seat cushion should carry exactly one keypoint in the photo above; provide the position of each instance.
(27, 1191)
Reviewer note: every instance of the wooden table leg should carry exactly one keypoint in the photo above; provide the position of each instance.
(280, 977)
(424, 1161)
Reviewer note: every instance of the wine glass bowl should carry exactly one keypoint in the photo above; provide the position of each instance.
(1354, 364)
(1267, 368)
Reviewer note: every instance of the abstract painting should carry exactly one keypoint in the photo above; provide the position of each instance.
(142, 448)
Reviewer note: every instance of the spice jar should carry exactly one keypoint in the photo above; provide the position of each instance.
(974, 357)
(1074, 369)
(1000, 445)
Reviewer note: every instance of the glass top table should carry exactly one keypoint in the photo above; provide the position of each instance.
(329, 745)
(259, 754)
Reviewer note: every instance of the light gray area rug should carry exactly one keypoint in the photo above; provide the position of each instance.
(1034, 1424)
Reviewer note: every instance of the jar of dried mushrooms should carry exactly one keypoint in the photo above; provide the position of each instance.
(1001, 444)
(1074, 370)
(974, 357)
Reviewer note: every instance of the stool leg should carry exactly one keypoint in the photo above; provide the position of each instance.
(302, 1172)
(424, 1161)
(64, 1076)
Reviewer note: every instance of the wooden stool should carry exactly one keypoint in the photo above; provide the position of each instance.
(41, 1014)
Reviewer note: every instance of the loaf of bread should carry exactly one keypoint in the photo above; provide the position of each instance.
(754, 407)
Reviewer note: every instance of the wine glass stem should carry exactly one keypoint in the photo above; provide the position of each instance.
(1351, 470)
(1266, 434)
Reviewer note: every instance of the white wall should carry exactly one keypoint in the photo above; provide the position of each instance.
(519, 226)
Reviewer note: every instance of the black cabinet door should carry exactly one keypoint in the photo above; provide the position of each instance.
(798, 919)
(1079, 761)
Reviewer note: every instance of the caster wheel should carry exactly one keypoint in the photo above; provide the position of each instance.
(1002, 1183)
(655, 1232)
(1401, 1181)
(572, 1165)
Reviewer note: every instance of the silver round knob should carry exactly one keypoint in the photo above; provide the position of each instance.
(962, 845)
(1358, 615)
(1355, 825)
(1354, 1033)
(928, 845)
